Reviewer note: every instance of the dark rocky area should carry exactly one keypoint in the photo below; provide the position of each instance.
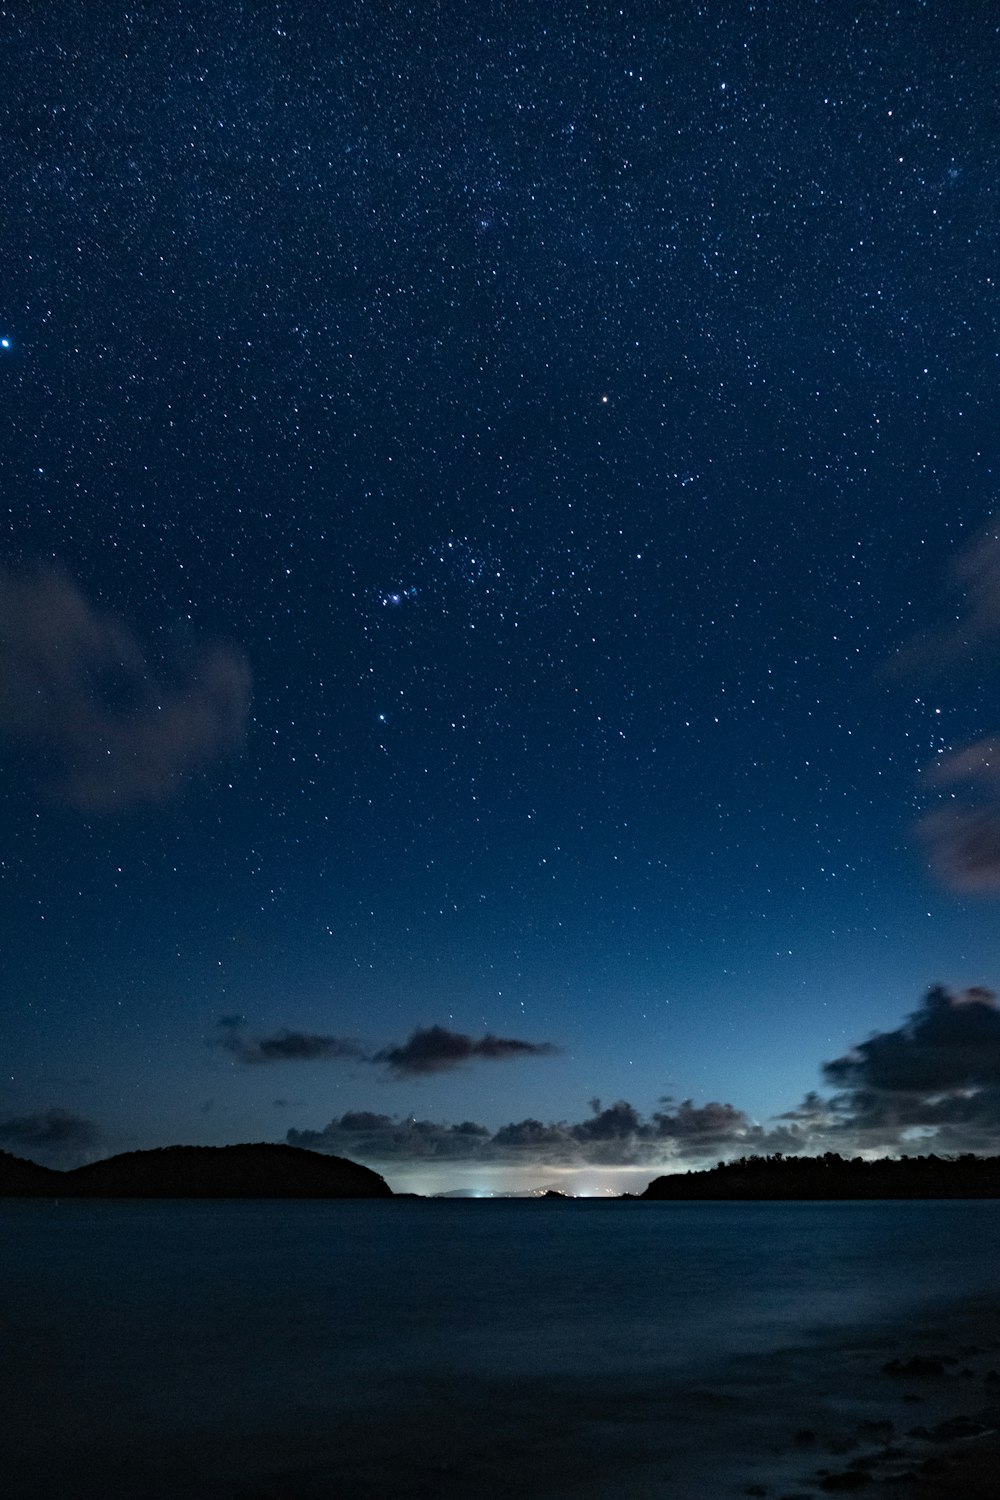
(251, 1171)
(954, 1457)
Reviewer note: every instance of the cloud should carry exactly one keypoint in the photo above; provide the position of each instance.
(53, 1133)
(978, 765)
(976, 571)
(302, 1046)
(962, 838)
(812, 1111)
(284, 1046)
(951, 1042)
(705, 1124)
(530, 1138)
(86, 716)
(963, 844)
(931, 1084)
(437, 1050)
(974, 631)
(433, 1050)
(615, 1136)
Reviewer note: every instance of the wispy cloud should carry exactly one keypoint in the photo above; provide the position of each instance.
(972, 633)
(962, 837)
(285, 1046)
(54, 1135)
(963, 842)
(87, 719)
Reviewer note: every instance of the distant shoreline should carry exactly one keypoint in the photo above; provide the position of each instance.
(265, 1170)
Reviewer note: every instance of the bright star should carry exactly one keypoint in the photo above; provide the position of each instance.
(398, 598)
(4, 343)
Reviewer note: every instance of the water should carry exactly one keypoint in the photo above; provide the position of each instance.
(457, 1349)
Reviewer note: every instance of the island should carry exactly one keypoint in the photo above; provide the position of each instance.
(261, 1170)
(753, 1178)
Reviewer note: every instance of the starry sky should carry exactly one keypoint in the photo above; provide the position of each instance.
(499, 602)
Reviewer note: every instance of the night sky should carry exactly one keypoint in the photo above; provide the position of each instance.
(495, 530)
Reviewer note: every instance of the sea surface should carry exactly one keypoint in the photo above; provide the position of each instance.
(491, 1348)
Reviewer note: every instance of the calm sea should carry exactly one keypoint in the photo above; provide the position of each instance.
(457, 1349)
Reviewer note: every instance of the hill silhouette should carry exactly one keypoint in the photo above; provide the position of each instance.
(251, 1171)
(26, 1179)
(833, 1176)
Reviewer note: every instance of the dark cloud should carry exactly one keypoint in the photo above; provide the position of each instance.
(285, 1046)
(436, 1050)
(615, 1136)
(619, 1122)
(432, 1050)
(951, 1042)
(86, 717)
(619, 1135)
(55, 1134)
(887, 1123)
(813, 1110)
(932, 1084)
(706, 1123)
(531, 1136)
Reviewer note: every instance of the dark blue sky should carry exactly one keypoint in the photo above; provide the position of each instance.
(474, 478)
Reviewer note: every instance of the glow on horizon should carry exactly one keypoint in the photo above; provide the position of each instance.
(431, 1178)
